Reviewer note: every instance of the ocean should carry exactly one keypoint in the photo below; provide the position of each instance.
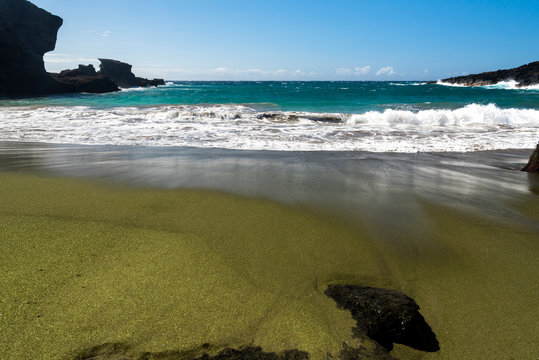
(285, 116)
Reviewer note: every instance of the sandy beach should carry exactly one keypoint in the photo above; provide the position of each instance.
(100, 247)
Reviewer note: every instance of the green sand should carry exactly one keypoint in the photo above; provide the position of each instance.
(83, 264)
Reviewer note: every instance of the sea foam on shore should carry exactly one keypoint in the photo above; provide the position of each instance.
(469, 128)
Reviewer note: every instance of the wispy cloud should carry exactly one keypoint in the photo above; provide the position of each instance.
(388, 71)
(57, 58)
(225, 73)
(355, 71)
(106, 33)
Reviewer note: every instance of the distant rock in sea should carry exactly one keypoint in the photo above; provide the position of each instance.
(27, 32)
(120, 73)
(524, 75)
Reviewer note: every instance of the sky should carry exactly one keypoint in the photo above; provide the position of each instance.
(296, 39)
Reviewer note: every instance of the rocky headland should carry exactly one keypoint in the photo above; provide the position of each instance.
(524, 75)
(27, 32)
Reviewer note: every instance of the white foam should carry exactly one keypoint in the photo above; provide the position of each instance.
(507, 85)
(473, 127)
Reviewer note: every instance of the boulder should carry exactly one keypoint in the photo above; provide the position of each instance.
(386, 316)
(524, 75)
(26, 34)
(533, 164)
(120, 73)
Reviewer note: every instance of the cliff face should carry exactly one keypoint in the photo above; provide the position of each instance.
(26, 34)
(524, 75)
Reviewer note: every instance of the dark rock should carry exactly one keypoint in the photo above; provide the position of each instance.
(85, 83)
(141, 82)
(84, 79)
(26, 34)
(113, 351)
(362, 353)
(83, 70)
(524, 75)
(533, 164)
(256, 353)
(386, 316)
(120, 73)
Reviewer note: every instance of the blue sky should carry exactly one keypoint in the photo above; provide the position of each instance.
(303, 40)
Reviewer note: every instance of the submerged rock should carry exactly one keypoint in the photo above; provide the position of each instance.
(120, 73)
(386, 316)
(524, 75)
(533, 164)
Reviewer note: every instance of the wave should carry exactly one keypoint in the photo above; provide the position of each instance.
(506, 85)
(236, 126)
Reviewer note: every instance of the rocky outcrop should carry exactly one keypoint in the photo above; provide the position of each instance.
(120, 73)
(26, 34)
(84, 79)
(533, 164)
(386, 316)
(524, 75)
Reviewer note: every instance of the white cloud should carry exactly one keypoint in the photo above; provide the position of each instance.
(355, 71)
(106, 33)
(426, 71)
(87, 60)
(388, 71)
(362, 70)
(57, 58)
(343, 71)
(223, 73)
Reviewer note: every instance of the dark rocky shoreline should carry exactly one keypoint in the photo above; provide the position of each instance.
(524, 75)
(27, 32)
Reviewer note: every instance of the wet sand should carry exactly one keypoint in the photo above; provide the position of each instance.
(140, 257)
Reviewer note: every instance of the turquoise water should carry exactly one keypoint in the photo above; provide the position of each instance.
(284, 116)
(334, 96)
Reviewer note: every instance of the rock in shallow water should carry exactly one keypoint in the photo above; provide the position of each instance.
(533, 164)
(386, 316)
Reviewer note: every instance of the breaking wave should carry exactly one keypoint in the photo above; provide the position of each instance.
(470, 128)
(507, 85)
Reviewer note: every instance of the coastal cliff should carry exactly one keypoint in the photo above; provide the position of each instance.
(524, 75)
(27, 32)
